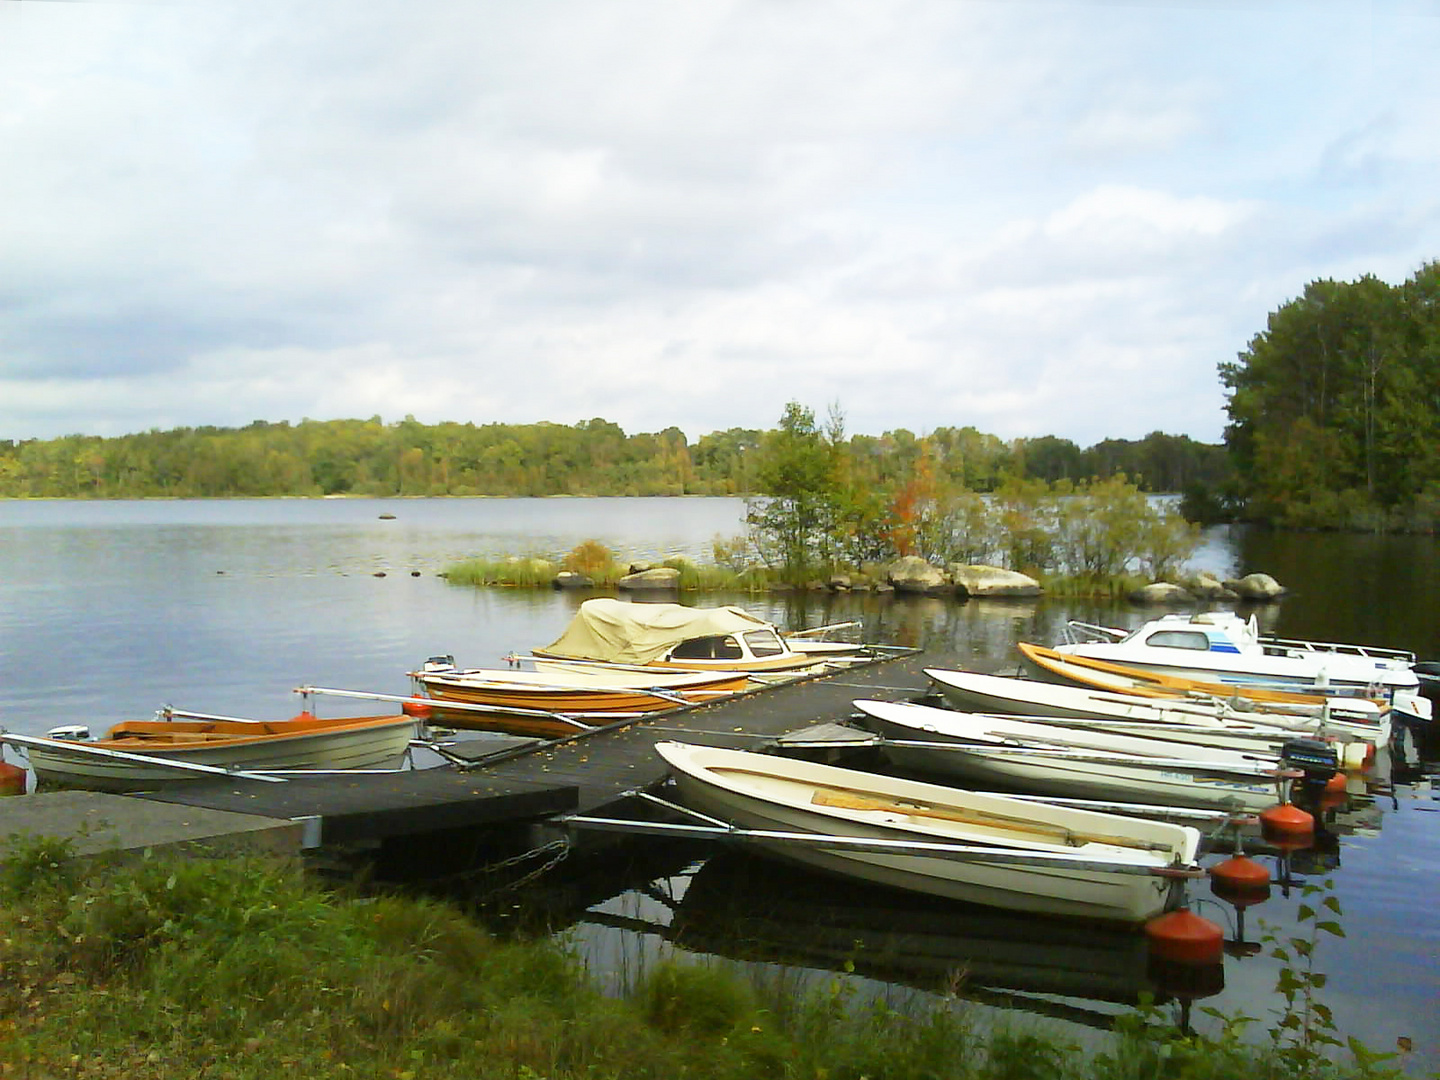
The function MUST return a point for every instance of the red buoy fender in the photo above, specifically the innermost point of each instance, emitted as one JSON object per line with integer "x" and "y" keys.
{"x": 1184, "y": 937}
{"x": 1286, "y": 825}
{"x": 419, "y": 710}
{"x": 1240, "y": 880}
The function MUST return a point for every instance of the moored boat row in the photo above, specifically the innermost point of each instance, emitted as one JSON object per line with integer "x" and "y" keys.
{"x": 1134, "y": 741}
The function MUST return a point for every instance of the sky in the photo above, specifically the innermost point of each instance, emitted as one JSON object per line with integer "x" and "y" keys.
{"x": 1033, "y": 217}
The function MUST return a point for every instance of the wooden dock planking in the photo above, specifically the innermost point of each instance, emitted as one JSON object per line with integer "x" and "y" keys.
{"x": 368, "y": 806}
{"x": 601, "y": 767}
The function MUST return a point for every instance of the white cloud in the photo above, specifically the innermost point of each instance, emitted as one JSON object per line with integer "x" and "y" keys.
{"x": 1048, "y": 217}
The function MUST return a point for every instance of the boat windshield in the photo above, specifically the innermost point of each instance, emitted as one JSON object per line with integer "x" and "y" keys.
{"x": 712, "y": 647}
{"x": 764, "y": 642}
{"x": 1179, "y": 639}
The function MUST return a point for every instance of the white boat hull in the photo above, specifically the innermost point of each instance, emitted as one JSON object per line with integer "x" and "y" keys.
{"x": 1226, "y": 648}
{"x": 61, "y": 764}
{"x": 993, "y": 750}
{"x": 1358, "y": 717}
{"x": 969, "y": 691}
{"x": 758, "y": 791}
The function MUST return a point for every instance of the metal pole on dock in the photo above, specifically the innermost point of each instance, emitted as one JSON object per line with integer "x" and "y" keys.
{"x": 463, "y": 706}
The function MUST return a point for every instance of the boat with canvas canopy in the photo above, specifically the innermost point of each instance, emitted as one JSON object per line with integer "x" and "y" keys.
{"x": 674, "y": 636}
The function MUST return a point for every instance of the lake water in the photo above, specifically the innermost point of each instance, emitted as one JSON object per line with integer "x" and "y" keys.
{"x": 109, "y": 610}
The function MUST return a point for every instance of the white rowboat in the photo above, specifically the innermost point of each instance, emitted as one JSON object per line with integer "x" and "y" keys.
{"x": 1033, "y": 755}
{"x": 143, "y": 755}
{"x": 1105, "y": 866}
{"x": 970, "y": 691}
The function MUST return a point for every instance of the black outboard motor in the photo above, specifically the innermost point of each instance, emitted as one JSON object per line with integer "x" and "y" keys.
{"x": 1315, "y": 758}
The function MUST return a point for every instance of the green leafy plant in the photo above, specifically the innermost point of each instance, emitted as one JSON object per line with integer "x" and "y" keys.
{"x": 1305, "y": 1032}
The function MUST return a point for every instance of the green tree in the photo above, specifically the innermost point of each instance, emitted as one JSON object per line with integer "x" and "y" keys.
{"x": 795, "y": 521}
{"x": 1335, "y": 407}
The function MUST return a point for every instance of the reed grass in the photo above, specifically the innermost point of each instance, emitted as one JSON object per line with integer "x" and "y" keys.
{"x": 517, "y": 571}
{"x": 243, "y": 968}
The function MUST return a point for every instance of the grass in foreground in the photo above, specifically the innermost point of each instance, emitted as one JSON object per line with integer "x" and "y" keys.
{"x": 242, "y": 968}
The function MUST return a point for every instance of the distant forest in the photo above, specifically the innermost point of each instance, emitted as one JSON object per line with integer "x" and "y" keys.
{"x": 1334, "y": 424}
{"x": 593, "y": 457}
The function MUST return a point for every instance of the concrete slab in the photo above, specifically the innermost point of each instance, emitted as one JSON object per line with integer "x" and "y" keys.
{"x": 95, "y": 822}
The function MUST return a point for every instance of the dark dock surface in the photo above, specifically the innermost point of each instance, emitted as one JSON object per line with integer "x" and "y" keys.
{"x": 603, "y": 765}
{"x": 509, "y": 784}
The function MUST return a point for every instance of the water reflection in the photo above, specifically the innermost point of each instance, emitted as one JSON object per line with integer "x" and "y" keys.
{"x": 760, "y": 913}
{"x": 109, "y": 610}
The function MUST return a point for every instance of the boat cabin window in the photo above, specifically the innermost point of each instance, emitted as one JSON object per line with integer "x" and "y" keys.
{"x": 764, "y": 642}
{"x": 715, "y": 647}
{"x": 1179, "y": 639}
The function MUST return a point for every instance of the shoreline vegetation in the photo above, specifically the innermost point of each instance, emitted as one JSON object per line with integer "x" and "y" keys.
{"x": 245, "y": 968}
{"x": 1106, "y": 539}
{"x": 542, "y": 572}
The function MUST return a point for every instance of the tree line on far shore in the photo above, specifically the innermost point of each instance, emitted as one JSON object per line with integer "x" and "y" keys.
{"x": 1334, "y": 423}
{"x": 594, "y": 457}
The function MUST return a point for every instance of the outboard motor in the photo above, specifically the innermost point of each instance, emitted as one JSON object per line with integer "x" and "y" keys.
{"x": 1316, "y": 759}
{"x": 1428, "y": 672}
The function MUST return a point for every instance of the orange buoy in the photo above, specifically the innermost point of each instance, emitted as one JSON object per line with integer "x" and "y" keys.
{"x": 12, "y": 779}
{"x": 1241, "y": 881}
{"x": 1286, "y": 825}
{"x": 1183, "y": 937}
{"x": 418, "y": 709}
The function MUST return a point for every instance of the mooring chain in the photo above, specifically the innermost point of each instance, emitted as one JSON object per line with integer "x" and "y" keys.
{"x": 557, "y": 849}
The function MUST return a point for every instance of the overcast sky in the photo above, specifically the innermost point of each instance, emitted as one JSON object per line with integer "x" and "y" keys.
{"x": 1030, "y": 217}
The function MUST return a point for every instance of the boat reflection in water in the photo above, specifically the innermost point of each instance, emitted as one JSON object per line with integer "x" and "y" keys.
{"x": 759, "y": 911}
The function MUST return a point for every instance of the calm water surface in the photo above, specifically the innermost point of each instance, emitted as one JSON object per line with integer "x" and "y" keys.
{"x": 109, "y": 610}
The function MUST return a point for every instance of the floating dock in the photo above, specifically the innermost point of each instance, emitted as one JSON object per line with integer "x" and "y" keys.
{"x": 508, "y": 785}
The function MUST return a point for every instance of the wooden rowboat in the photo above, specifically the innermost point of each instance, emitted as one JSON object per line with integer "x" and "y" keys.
{"x": 579, "y": 691}
{"x": 551, "y": 704}
{"x": 142, "y": 755}
{"x": 932, "y": 839}
{"x": 1048, "y": 664}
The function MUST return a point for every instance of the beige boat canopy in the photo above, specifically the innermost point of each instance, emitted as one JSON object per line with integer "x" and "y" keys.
{"x": 623, "y": 632}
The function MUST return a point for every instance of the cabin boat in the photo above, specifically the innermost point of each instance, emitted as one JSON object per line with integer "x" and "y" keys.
{"x": 1050, "y": 759}
{"x": 677, "y": 637}
{"x": 1224, "y": 647}
{"x": 928, "y": 838}
{"x": 143, "y": 755}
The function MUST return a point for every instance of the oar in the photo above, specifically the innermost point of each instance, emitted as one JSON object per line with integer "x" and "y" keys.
{"x": 988, "y": 819}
